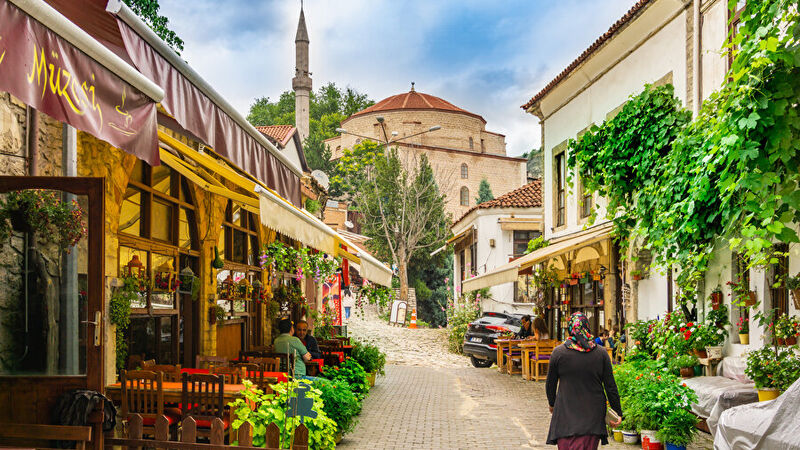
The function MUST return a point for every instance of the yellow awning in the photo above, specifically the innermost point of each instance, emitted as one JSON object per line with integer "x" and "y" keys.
{"x": 508, "y": 273}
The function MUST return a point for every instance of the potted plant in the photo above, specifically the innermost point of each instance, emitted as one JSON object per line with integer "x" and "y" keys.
{"x": 685, "y": 364}
{"x": 744, "y": 330}
{"x": 772, "y": 370}
{"x": 786, "y": 329}
{"x": 43, "y": 212}
{"x": 793, "y": 284}
{"x": 678, "y": 429}
{"x": 636, "y": 274}
{"x": 215, "y": 313}
{"x": 710, "y": 337}
{"x": 716, "y": 298}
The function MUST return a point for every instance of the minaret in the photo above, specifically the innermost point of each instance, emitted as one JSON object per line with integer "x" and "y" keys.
{"x": 301, "y": 83}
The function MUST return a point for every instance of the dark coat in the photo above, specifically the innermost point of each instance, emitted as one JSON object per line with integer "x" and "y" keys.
{"x": 312, "y": 346}
{"x": 577, "y": 386}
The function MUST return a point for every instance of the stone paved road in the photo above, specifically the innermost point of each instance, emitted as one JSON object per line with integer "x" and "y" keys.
{"x": 415, "y": 407}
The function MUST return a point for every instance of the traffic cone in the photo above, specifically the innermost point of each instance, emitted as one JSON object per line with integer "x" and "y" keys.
{"x": 413, "y": 323}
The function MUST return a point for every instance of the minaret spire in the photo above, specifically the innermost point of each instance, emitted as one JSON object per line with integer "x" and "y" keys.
{"x": 301, "y": 83}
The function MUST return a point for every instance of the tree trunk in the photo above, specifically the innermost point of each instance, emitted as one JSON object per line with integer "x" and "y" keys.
{"x": 402, "y": 273}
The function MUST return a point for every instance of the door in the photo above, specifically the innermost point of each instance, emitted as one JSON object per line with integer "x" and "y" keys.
{"x": 54, "y": 343}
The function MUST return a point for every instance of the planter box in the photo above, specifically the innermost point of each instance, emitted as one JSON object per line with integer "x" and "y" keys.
{"x": 768, "y": 394}
{"x": 714, "y": 352}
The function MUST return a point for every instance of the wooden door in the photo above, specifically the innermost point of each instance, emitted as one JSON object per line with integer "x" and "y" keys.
{"x": 70, "y": 355}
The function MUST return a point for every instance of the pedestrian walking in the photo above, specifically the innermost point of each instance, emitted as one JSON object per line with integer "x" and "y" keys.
{"x": 579, "y": 382}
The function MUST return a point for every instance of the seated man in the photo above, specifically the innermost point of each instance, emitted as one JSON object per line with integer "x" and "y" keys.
{"x": 301, "y": 331}
{"x": 526, "y": 330}
{"x": 286, "y": 343}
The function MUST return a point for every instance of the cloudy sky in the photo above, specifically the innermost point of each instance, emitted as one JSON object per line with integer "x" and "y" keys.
{"x": 488, "y": 56}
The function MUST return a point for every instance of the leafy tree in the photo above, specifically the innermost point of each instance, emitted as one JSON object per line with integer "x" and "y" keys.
{"x": 147, "y": 10}
{"x": 403, "y": 210}
{"x": 328, "y": 107}
{"x": 484, "y": 192}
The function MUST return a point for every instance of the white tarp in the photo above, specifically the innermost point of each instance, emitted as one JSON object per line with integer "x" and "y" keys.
{"x": 717, "y": 394}
{"x": 773, "y": 425}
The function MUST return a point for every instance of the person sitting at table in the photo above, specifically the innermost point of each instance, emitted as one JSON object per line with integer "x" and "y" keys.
{"x": 526, "y": 330}
{"x": 301, "y": 331}
{"x": 286, "y": 343}
{"x": 601, "y": 338}
{"x": 540, "y": 330}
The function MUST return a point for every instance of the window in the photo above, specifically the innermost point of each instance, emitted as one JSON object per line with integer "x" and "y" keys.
{"x": 586, "y": 201}
{"x": 471, "y": 144}
{"x": 733, "y": 27}
{"x": 157, "y": 226}
{"x": 464, "y": 171}
{"x": 483, "y": 146}
{"x": 464, "y": 196}
{"x": 473, "y": 259}
{"x": 560, "y": 190}
{"x": 521, "y": 239}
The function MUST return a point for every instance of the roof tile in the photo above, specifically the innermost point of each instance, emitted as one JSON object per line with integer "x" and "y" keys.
{"x": 528, "y": 196}
{"x": 278, "y": 133}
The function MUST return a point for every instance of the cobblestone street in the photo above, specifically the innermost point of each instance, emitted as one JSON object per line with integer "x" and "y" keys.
{"x": 448, "y": 404}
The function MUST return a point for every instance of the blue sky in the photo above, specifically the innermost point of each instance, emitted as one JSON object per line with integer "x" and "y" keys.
{"x": 488, "y": 57}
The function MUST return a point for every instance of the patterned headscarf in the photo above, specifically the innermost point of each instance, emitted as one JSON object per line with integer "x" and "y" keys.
{"x": 580, "y": 339}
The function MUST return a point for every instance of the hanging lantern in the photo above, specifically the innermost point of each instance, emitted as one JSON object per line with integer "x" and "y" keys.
{"x": 134, "y": 268}
{"x": 244, "y": 289}
{"x": 165, "y": 279}
{"x": 258, "y": 292}
{"x": 187, "y": 281}
{"x": 226, "y": 289}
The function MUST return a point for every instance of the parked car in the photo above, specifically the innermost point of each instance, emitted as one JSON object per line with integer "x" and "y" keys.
{"x": 479, "y": 339}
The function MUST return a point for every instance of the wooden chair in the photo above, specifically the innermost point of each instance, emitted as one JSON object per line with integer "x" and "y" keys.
{"x": 271, "y": 364}
{"x": 148, "y": 363}
{"x": 233, "y": 375}
{"x": 171, "y": 373}
{"x": 262, "y": 380}
{"x": 514, "y": 357}
{"x": 143, "y": 394}
{"x": 285, "y": 361}
{"x": 541, "y": 358}
{"x": 248, "y": 366}
{"x": 30, "y": 435}
{"x": 208, "y": 362}
{"x": 203, "y": 401}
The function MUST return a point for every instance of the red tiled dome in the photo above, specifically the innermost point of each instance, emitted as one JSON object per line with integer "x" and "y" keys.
{"x": 413, "y": 100}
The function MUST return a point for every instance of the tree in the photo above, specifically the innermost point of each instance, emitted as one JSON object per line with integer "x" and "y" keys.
{"x": 484, "y": 192}
{"x": 147, "y": 10}
{"x": 403, "y": 210}
{"x": 328, "y": 107}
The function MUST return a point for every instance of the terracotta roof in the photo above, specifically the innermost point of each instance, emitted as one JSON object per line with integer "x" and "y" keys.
{"x": 278, "y": 133}
{"x": 414, "y": 100}
{"x": 528, "y": 196}
{"x": 635, "y": 9}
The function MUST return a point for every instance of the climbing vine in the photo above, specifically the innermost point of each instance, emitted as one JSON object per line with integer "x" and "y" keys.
{"x": 732, "y": 173}
{"x": 120, "y": 314}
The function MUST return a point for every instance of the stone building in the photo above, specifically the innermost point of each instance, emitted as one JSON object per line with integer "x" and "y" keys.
{"x": 462, "y": 152}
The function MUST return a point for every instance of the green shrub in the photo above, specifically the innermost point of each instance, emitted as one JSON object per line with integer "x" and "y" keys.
{"x": 339, "y": 403}
{"x": 369, "y": 356}
{"x": 261, "y": 409}
{"x": 351, "y": 372}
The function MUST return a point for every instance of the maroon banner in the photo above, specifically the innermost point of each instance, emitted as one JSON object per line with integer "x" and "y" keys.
{"x": 45, "y": 71}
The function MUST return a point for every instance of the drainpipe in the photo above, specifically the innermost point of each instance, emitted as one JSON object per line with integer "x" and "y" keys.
{"x": 68, "y": 313}
{"x": 33, "y": 142}
{"x": 696, "y": 57}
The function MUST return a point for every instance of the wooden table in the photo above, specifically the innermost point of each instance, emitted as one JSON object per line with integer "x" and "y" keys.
{"x": 527, "y": 349}
{"x": 173, "y": 392}
{"x": 501, "y": 344}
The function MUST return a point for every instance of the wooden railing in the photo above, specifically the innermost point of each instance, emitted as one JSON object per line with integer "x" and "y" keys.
{"x": 188, "y": 441}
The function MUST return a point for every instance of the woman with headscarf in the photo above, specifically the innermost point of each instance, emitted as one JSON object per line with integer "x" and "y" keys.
{"x": 579, "y": 380}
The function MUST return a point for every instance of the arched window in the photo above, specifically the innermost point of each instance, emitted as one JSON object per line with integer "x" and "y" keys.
{"x": 464, "y": 171}
{"x": 471, "y": 144}
{"x": 464, "y": 196}
{"x": 157, "y": 226}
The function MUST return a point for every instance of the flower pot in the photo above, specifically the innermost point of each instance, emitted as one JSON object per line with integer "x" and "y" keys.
{"x": 714, "y": 352}
{"x": 687, "y": 372}
{"x": 716, "y": 300}
{"x": 781, "y": 341}
{"x": 637, "y": 277}
{"x": 647, "y": 436}
{"x": 371, "y": 379}
{"x": 675, "y": 447}
{"x": 768, "y": 394}
{"x": 700, "y": 353}
{"x": 744, "y": 338}
{"x": 791, "y": 341}
{"x": 617, "y": 435}
{"x": 751, "y": 299}
{"x": 630, "y": 437}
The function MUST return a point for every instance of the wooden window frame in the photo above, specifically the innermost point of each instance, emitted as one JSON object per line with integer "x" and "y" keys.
{"x": 559, "y": 166}
{"x": 587, "y": 201}
{"x": 464, "y": 196}
{"x": 464, "y": 171}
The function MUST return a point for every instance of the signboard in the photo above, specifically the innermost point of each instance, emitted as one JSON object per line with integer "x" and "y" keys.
{"x": 398, "y": 313}
{"x": 45, "y": 71}
{"x": 332, "y": 297}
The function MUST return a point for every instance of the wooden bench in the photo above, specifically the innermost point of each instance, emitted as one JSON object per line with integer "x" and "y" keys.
{"x": 30, "y": 434}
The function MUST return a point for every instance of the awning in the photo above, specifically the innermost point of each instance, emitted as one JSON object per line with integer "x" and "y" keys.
{"x": 56, "y": 67}
{"x": 459, "y": 236}
{"x": 201, "y": 110}
{"x": 508, "y": 273}
{"x": 520, "y": 223}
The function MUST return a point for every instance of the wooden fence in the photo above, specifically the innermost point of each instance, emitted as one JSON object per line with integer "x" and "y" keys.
{"x": 188, "y": 440}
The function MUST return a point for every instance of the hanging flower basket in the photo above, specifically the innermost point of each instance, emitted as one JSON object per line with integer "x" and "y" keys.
{"x": 43, "y": 212}
{"x": 751, "y": 298}
{"x": 716, "y": 300}
{"x": 573, "y": 281}
{"x": 187, "y": 280}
